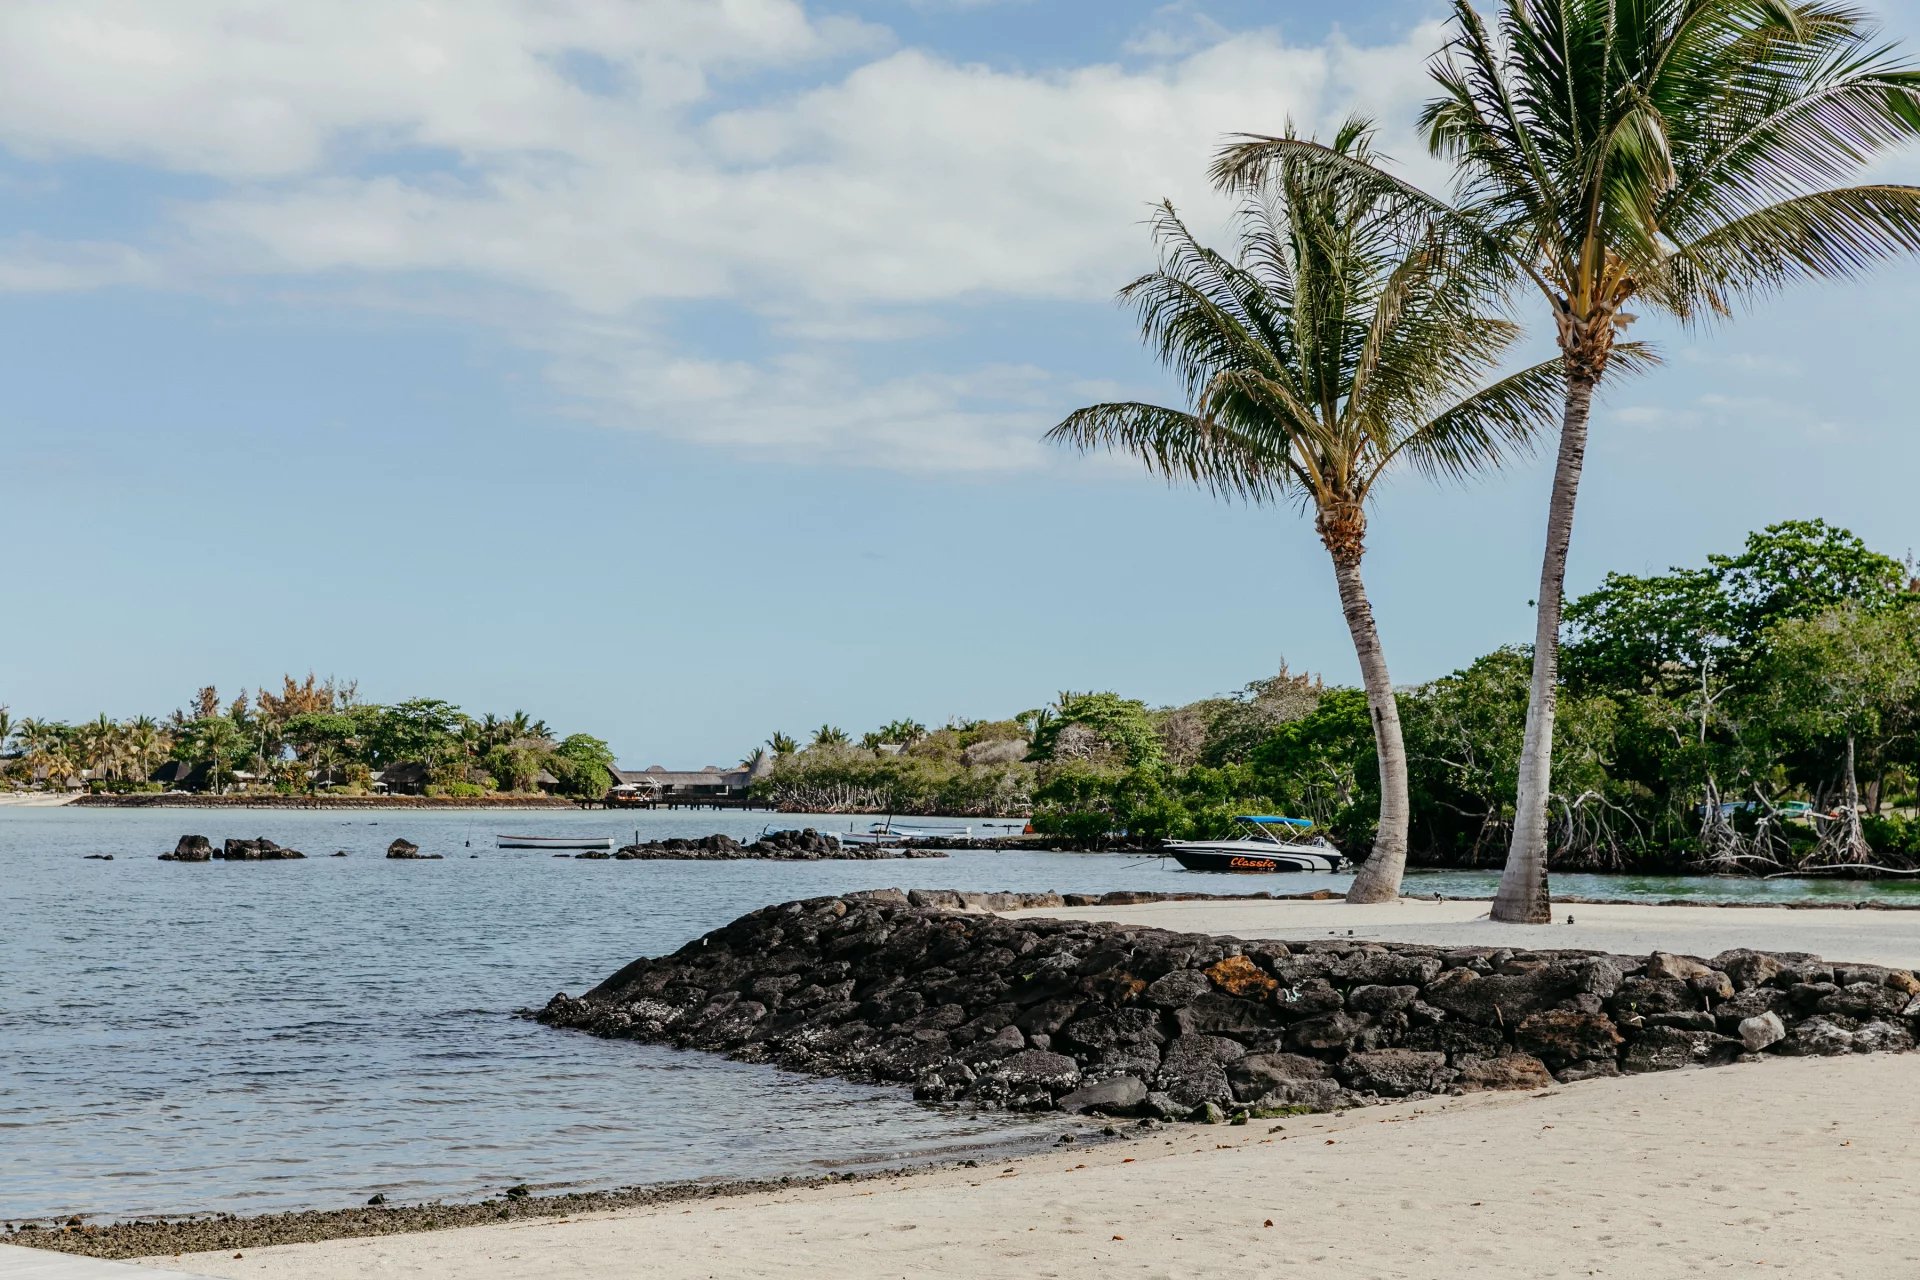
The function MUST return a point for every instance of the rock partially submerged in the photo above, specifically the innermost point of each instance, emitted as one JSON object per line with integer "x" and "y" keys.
{"x": 1036, "y": 1014}
{"x": 200, "y": 849}
{"x": 408, "y": 849}
{"x": 190, "y": 849}
{"x": 806, "y": 845}
{"x": 260, "y": 850}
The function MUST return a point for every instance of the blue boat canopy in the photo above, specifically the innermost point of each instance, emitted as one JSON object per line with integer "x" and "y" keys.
{"x": 1260, "y": 817}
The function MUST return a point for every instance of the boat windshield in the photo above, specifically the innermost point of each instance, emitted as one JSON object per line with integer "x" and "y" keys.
{"x": 1276, "y": 830}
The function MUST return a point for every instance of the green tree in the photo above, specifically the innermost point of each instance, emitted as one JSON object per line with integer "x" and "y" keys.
{"x": 418, "y": 730}
{"x": 1323, "y": 765}
{"x": 215, "y": 741}
{"x": 1098, "y": 727}
{"x": 1671, "y": 154}
{"x": 1800, "y": 568}
{"x": 1845, "y": 675}
{"x": 1342, "y": 340}
{"x": 903, "y": 732}
{"x": 829, "y": 736}
{"x": 584, "y": 766}
{"x": 782, "y": 744}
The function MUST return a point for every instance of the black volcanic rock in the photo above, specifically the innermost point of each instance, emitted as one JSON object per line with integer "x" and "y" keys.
{"x": 921, "y": 990}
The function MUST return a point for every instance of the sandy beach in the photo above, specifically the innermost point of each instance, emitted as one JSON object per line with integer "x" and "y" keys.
{"x": 1796, "y": 1166}
{"x": 1791, "y": 1165}
{"x": 1842, "y": 933}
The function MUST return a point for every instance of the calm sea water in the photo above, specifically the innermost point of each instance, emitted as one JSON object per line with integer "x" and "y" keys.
{"x": 260, "y": 1036}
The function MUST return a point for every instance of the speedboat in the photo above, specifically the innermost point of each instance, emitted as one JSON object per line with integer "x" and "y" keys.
{"x": 1270, "y": 843}
{"x": 553, "y": 842}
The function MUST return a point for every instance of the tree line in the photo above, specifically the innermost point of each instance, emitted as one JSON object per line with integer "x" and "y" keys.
{"x": 310, "y": 735}
{"x": 1758, "y": 713}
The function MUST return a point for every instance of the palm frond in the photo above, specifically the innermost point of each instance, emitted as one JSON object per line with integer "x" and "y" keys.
{"x": 1500, "y": 420}
{"x": 1179, "y": 447}
{"x": 1824, "y": 235}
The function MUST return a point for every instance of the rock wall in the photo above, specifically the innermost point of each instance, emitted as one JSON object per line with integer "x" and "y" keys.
{"x": 1093, "y": 1016}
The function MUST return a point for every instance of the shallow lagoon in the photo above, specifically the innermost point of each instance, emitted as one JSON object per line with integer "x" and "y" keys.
{"x": 261, "y": 1036}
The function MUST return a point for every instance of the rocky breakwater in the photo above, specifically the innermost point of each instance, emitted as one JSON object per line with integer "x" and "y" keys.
{"x": 200, "y": 849}
{"x": 775, "y": 846}
{"x": 1092, "y": 1016}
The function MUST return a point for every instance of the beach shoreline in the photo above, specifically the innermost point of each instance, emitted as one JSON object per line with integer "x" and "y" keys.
{"x": 1640, "y": 1176}
{"x": 196, "y": 800}
{"x": 149, "y": 1238}
{"x": 1701, "y": 1120}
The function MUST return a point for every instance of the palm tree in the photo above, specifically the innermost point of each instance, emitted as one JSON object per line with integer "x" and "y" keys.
{"x": 99, "y": 743}
{"x": 145, "y": 744}
{"x": 782, "y": 745}
{"x": 1672, "y": 154}
{"x": 830, "y": 736}
{"x": 1343, "y": 339}
{"x": 904, "y": 732}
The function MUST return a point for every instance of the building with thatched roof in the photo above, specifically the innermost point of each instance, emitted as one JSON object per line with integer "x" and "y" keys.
{"x": 710, "y": 783}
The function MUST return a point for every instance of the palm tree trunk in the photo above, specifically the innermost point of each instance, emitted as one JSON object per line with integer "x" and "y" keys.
{"x": 1523, "y": 896}
{"x": 1343, "y": 529}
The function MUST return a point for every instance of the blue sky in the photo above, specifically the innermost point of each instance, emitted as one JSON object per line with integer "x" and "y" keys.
{"x": 675, "y": 370}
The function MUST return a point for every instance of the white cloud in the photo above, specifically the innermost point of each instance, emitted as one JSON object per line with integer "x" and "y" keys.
{"x": 811, "y": 407}
{"x": 387, "y": 139}
{"x": 1176, "y": 29}
{"x": 31, "y": 265}
{"x": 1750, "y": 417}
{"x": 248, "y": 87}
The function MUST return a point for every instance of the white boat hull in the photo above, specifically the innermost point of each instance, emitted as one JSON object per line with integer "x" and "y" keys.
{"x": 1253, "y": 857}
{"x": 553, "y": 842}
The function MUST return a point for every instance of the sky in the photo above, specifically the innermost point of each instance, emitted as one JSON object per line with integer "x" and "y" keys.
{"x": 676, "y": 369}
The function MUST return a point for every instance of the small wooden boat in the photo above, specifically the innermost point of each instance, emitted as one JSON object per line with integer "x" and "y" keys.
{"x": 553, "y": 842}
{"x": 1262, "y": 850}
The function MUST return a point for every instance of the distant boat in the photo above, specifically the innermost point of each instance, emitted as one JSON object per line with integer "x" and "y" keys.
{"x": 885, "y": 833}
{"x": 553, "y": 842}
{"x": 1261, "y": 850}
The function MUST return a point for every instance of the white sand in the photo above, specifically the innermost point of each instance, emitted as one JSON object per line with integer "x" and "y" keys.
{"x": 43, "y": 1264}
{"x": 1865, "y": 937}
{"x": 1791, "y": 1166}
{"x": 1801, "y": 1167}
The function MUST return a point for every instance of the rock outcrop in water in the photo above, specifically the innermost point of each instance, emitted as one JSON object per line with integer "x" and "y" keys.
{"x": 260, "y": 850}
{"x": 200, "y": 849}
{"x": 1083, "y": 1015}
{"x": 775, "y": 846}
{"x": 190, "y": 849}
{"x": 408, "y": 849}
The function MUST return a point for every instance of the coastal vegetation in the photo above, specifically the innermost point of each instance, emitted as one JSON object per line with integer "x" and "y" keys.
{"x": 1757, "y": 713}
{"x": 1342, "y": 339}
{"x": 310, "y": 735}
{"x": 1676, "y": 156}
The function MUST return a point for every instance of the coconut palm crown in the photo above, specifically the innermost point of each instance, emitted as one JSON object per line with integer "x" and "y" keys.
{"x": 1669, "y": 154}
{"x": 1344, "y": 338}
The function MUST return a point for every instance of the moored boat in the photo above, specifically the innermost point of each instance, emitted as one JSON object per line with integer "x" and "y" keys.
{"x": 1262, "y": 850}
{"x": 886, "y": 833}
{"x": 553, "y": 842}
